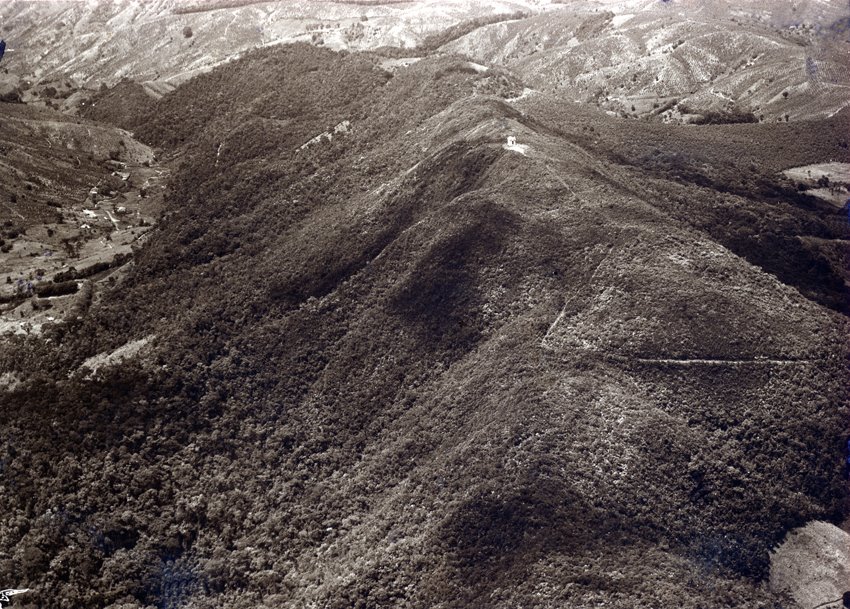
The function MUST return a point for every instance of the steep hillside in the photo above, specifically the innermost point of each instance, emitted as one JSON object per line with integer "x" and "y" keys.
{"x": 409, "y": 366}
{"x": 741, "y": 199}
{"x": 123, "y": 104}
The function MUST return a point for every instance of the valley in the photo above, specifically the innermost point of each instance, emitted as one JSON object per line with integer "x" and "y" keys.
{"x": 80, "y": 198}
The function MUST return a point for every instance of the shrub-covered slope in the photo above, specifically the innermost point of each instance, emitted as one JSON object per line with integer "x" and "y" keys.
{"x": 123, "y": 105}
{"x": 405, "y": 366}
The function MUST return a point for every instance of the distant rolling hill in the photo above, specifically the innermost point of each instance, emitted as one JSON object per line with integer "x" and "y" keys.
{"x": 670, "y": 60}
{"x": 674, "y": 59}
{"x": 410, "y": 366}
{"x": 161, "y": 43}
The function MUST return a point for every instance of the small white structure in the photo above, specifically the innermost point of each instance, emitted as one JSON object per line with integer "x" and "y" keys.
{"x": 512, "y": 145}
{"x": 89, "y": 213}
{"x": 121, "y": 210}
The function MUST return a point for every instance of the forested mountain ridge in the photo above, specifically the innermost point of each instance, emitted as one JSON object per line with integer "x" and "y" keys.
{"x": 407, "y": 365}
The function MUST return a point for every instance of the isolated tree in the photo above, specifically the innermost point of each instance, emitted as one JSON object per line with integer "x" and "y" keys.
{"x": 187, "y": 32}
